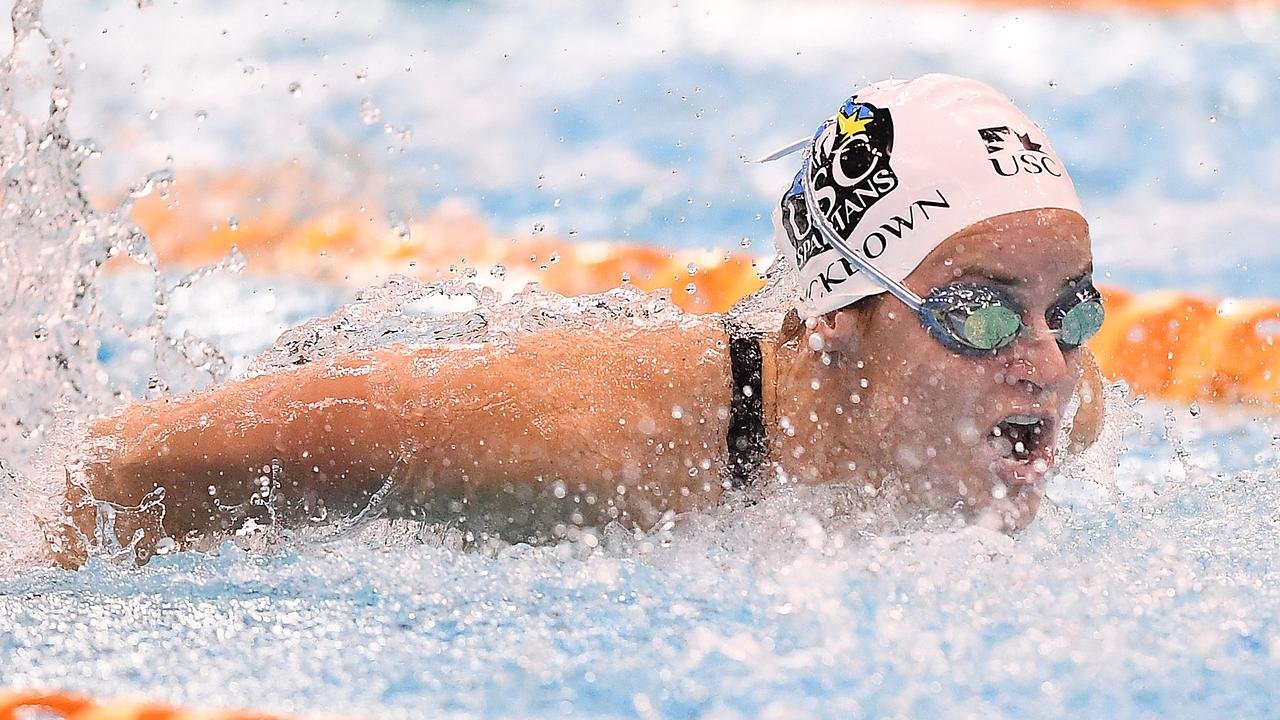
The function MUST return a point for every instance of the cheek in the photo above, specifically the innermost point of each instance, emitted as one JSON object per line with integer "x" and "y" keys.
{"x": 944, "y": 395}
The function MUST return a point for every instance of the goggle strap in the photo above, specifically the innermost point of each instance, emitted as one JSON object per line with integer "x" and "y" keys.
{"x": 783, "y": 151}
{"x": 828, "y": 233}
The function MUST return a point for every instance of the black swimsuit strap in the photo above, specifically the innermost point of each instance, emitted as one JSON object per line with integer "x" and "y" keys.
{"x": 748, "y": 445}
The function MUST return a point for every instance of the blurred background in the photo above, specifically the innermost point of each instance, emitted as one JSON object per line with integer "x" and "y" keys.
{"x": 631, "y": 121}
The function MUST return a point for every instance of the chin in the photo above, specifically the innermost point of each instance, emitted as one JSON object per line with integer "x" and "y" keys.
{"x": 1009, "y": 514}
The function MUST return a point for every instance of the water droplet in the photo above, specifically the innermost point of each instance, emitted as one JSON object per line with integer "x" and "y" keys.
{"x": 691, "y": 288}
{"x": 295, "y": 88}
{"x": 745, "y": 242}
{"x": 692, "y": 268}
{"x": 539, "y": 228}
{"x": 556, "y": 203}
{"x": 201, "y": 115}
{"x": 626, "y": 277}
{"x": 677, "y": 412}
{"x": 573, "y": 232}
{"x": 555, "y": 258}
{"x": 1213, "y": 118}
{"x": 498, "y": 270}
{"x": 233, "y": 222}
{"x": 369, "y": 113}
{"x": 153, "y": 114}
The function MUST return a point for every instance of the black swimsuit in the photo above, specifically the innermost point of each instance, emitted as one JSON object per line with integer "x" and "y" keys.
{"x": 748, "y": 443}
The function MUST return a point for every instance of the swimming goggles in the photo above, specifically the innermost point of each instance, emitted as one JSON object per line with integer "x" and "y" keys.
{"x": 969, "y": 318}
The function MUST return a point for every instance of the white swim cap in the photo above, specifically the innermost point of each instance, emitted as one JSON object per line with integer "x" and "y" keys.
{"x": 900, "y": 168}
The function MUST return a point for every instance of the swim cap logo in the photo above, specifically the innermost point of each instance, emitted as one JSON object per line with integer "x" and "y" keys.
{"x": 803, "y": 235}
{"x": 1013, "y": 152}
{"x": 848, "y": 170}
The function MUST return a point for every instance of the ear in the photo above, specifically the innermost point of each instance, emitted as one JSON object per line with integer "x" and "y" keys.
{"x": 841, "y": 331}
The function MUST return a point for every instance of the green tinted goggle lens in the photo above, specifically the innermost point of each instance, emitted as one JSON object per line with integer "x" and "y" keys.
{"x": 1081, "y": 322}
{"x": 969, "y": 318}
{"x": 991, "y": 327}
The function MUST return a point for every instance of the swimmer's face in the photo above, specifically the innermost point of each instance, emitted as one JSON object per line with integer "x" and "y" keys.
{"x": 945, "y": 425}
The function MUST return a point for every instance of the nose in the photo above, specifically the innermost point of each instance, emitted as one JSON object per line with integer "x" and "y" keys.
{"x": 1037, "y": 359}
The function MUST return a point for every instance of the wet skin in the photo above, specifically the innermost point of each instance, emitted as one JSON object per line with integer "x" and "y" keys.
{"x": 900, "y": 413}
{"x": 616, "y": 421}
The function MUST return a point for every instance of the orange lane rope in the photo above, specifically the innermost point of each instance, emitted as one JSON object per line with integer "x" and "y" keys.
{"x": 1168, "y": 344}
{"x": 19, "y": 705}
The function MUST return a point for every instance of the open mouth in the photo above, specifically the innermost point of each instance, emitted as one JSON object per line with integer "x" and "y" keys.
{"x": 1023, "y": 446}
{"x": 1019, "y": 436}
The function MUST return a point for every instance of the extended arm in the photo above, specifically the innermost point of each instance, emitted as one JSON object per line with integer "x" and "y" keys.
{"x": 603, "y": 413}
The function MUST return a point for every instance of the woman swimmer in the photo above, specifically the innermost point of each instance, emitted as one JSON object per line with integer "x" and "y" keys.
{"x": 943, "y": 264}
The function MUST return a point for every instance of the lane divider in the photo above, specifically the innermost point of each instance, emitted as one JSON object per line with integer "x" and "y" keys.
{"x": 19, "y": 705}
{"x": 1167, "y": 344}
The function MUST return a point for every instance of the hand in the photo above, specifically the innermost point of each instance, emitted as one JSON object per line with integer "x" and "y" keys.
{"x": 92, "y": 527}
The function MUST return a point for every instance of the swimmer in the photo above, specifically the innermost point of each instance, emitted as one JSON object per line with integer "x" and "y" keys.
{"x": 943, "y": 294}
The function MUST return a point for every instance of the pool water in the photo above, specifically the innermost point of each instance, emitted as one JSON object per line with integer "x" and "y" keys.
{"x": 1157, "y": 602}
{"x": 1149, "y": 587}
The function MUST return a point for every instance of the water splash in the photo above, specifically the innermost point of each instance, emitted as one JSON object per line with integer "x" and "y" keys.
{"x": 56, "y": 245}
{"x": 456, "y": 311}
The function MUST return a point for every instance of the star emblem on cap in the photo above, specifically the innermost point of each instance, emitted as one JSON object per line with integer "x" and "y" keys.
{"x": 851, "y": 125}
